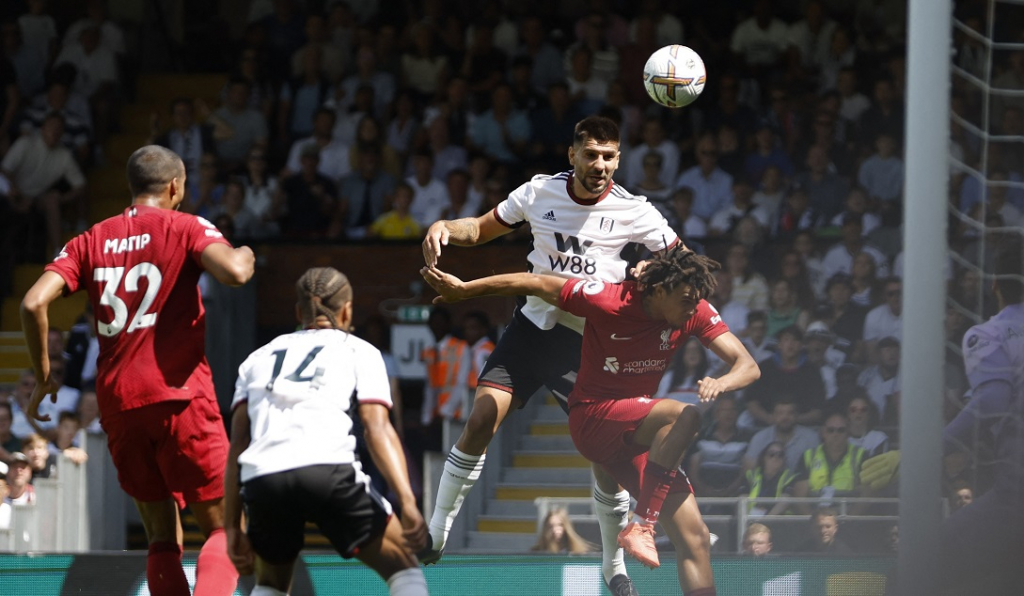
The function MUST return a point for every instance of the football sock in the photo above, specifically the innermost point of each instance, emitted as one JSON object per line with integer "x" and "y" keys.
{"x": 461, "y": 471}
{"x": 266, "y": 591}
{"x": 408, "y": 582}
{"x": 215, "y": 575}
{"x": 653, "y": 490}
{"x": 612, "y": 511}
{"x": 702, "y": 592}
{"x": 164, "y": 572}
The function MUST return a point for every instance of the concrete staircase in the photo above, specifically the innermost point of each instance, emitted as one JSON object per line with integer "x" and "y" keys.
{"x": 544, "y": 463}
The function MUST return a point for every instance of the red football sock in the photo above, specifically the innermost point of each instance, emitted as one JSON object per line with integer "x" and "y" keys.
{"x": 703, "y": 592}
{"x": 163, "y": 570}
{"x": 215, "y": 575}
{"x": 653, "y": 490}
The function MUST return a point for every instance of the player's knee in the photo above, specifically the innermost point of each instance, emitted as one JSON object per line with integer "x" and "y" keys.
{"x": 688, "y": 418}
{"x": 698, "y": 537}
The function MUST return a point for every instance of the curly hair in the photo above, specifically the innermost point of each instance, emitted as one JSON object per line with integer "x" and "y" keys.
{"x": 322, "y": 291}
{"x": 678, "y": 266}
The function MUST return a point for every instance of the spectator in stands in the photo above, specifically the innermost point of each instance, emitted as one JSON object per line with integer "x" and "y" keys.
{"x": 787, "y": 372}
{"x": 864, "y": 417}
{"x": 852, "y": 103}
{"x": 831, "y": 469}
{"x": 19, "y": 481}
{"x": 961, "y": 494}
{"x": 884, "y": 116}
{"x": 809, "y": 39}
{"x": 824, "y": 537}
{"x": 769, "y": 479}
{"x": 593, "y": 35}
{"x": 769, "y": 194}
{"x": 552, "y": 125}
{"x": 367, "y": 73}
{"x": 682, "y": 219}
{"x": 308, "y": 197}
{"x": 767, "y": 153}
{"x": 804, "y": 245}
{"x": 795, "y": 438}
{"x": 204, "y": 192}
{"x": 825, "y": 189}
{"x": 284, "y": 27}
{"x": 857, "y": 204}
{"x": 689, "y": 365}
{"x": 302, "y": 96}
{"x": 369, "y": 138}
{"x": 886, "y": 319}
{"x": 866, "y": 285}
{"x": 39, "y": 28}
{"x": 244, "y": 223}
{"x": 502, "y": 133}
{"x": 22, "y": 426}
{"x": 364, "y": 195}
{"x": 760, "y": 41}
{"x": 784, "y": 310}
{"x": 334, "y": 161}
{"x": 447, "y": 156}
{"x": 734, "y": 313}
{"x": 460, "y": 204}
{"x": 44, "y": 176}
{"x": 243, "y": 126}
{"x": 66, "y": 441}
{"x": 557, "y": 535}
{"x": 712, "y": 187}
{"x": 724, "y": 221}
{"x": 844, "y": 317}
{"x": 716, "y": 460}
{"x": 448, "y": 361}
{"x": 748, "y": 286}
{"x": 479, "y": 63}
{"x": 881, "y": 175}
{"x": 653, "y": 140}
{"x": 818, "y": 347}
{"x": 882, "y": 381}
{"x": 757, "y": 540}
{"x": 332, "y": 60}
{"x": 651, "y": 186}
{"x": 547, "y": 61}
{"x": 842, "y": 53}
{"x": 28, "y": 61}
{"x": 262, "y": 95}
{"x": 186, "y": 137}
{"x": 423, "y": 66}
{"x": 260, "y": 189}
{"x": 796, "y": 215}
{"x": 111, "y": 34}
{"x": 89, "y": 410}
{"x": 757, "y": 341}
{"x": 5, "y": 507}
{"x": 430, "y": 195}
{"x": 839, "y": 258}
{"x": 41, "y": 461}
{"x": 793, "y": 269}
{"x": 8, "y": 442}
{"x": 398, "y": 223}
{"x": 77, "y": 133}
{"x": 98, "y": 76}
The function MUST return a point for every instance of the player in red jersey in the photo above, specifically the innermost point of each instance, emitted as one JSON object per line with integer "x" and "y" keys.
{"x": 157, "y": 403}
{"x": 632, "y": 330}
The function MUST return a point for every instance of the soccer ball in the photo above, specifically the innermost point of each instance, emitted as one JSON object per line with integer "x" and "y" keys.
{"x": 674, "y": 76}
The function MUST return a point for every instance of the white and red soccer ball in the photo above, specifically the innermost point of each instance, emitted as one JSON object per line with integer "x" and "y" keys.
{"x": 674, "y": 76}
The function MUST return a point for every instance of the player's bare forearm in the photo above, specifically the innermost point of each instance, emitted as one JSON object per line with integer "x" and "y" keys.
{"x": 240, "y": 438}
{"x": 35, "y": 319}
{"x": 743, "y": 370}
{"x": 468, "y": 231}
{"x": 385, "y": 448}
{"x": 453, "y": 289}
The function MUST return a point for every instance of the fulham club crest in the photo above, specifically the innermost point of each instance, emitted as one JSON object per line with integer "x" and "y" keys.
{"x": 607, "y": 224}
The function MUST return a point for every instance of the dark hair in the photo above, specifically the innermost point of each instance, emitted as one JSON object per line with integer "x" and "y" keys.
{"x": 860, "y": 393}
{"x": 792, "y": 331}
{"x": 479, "y": 316}
{"x": 151, "y": 169}
{"x": 322, "y": 291}
{"x": 825, "y": 512}
{"x": 69, "y": 415}
{"x": 764, "y": 452}
{"x": 597, "y": 128}
{"x": 4, "y": 405}
{"x": 756, "y": 316}
{"x": 679, "y": 265}
{"x": 180, "y": 100}
{"x": 784, "y": 399}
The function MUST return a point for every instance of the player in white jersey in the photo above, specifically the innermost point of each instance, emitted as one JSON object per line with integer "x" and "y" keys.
{"x": 583, "y": 226}
{"x": 983, "y": 542}
{"x": 293, "y": 457}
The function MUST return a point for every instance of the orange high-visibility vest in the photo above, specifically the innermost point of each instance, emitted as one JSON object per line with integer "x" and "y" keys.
{"x": 445, "y": 370}
{"x": 481, "y": 350}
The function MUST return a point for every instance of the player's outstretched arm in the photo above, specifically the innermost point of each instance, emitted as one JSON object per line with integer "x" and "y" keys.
{"x": 386, "y": 450}
{"x": 453, "y": 289}
{"x": 468, "y": 231}
{"x": 743, "y": 370}
{"x": 35, "y": 323}
{"x": 230, "y": 266}
{"x": 239, "y": 549}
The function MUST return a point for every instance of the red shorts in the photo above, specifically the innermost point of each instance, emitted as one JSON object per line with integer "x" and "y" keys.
{"x": 171, "y": 448}
{"x": 603, "y": 433}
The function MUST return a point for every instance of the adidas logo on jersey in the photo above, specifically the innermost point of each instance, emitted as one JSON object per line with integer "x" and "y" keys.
{"x": 550, "y": 216}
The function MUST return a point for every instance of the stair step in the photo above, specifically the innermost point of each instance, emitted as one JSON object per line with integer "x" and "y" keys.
{"x": 516, "y": 492}
{"x": 504, "y": 542}
{"x": 12, "y": 338}
{"x": 546, "y": 428}
{"x": 159, "y": 88}
{"x": 518, "y": 525}
{"x": 14, "y": 359}
{"x": 119, "y": 147}
{"x": 523, "y": 509}
{"x": 63, "y": 312}
{"x": 566, "y": 476}
{"x": 9, "y": 376}
{"x": 136, "y": 117}
{"x": 566, "y": 459}
{"x": 546, "y": 443}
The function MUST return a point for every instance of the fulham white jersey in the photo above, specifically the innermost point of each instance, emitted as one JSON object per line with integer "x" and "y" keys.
{"x": 299, "y": 390}
{"x": 580, "y": 238}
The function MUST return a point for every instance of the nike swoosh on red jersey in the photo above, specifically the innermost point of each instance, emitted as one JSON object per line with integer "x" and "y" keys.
{"x": 620, "y": 338}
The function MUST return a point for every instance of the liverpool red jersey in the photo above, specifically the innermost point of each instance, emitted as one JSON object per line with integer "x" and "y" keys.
{"x": 625, "y": 351}
{"x": 141, "y": 271}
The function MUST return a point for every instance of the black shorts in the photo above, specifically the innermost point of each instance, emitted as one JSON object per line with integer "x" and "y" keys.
{"x": 528, "y": 358}
{"x": 338, "y": 498}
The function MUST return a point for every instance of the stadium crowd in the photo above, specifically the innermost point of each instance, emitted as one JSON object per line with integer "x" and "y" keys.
{"x": 348, "y": 121}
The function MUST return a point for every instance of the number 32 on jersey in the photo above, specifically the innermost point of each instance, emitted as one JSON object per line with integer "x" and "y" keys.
{"x": 111, "y": 278}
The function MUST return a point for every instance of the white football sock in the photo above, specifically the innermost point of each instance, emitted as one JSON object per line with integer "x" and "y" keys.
{"x": 612, "y": 511}
{"x": 266, "y": 591}
{"x": 461, "y": 472}
{"x": 408, "y": 582}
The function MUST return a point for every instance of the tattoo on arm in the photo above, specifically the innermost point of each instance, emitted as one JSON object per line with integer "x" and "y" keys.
{"x": 464, "y": 231}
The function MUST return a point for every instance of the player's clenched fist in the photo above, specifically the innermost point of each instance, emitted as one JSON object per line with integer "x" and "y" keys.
{"x": 437, "y": 236}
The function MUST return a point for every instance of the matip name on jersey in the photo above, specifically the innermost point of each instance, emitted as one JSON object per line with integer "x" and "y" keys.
{"x": 129, "y": 244}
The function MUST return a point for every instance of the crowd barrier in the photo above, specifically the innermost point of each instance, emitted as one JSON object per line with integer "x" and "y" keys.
{"x": 118, "y": 574}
